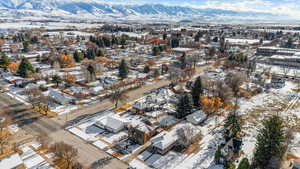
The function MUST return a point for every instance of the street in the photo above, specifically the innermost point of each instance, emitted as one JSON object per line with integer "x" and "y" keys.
{"x": 35, "y": 124}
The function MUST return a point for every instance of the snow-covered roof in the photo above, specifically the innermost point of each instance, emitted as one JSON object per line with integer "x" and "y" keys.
{"x": 164, "y": 139}
{"x": 112, "y": 122}
{"x": 11, "y": 162}
{"x": 196, "y": 117}
{"x": 244, "y": 41}
{"x": 58, "y": 96}
{"x": 182, "y": 49}
{"x": 142, "y": 127}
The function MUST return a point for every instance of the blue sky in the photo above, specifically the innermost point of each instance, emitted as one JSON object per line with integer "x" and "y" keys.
{"x": 286, "y": 7}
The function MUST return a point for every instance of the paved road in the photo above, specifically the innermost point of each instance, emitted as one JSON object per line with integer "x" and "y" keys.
{"x": 35, "y": 124}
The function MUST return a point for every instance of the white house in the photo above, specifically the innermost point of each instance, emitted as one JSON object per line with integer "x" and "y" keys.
{"x": 113, "y": 123}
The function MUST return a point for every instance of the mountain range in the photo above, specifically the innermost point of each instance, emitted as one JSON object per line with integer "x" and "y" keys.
{"x": 95, "y": 9}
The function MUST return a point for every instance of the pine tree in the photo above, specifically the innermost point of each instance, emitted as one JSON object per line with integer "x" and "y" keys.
{"x": 270, "y": 142}
{"x": 234, "y": 124}
{"x": 289, "y": 43}
{"x": 123, "y": 69}
{"x": 218, "y": 155}
{"x": 185, "y": 106}
{"x": 165, "y": 36}
{"x": 4, "y": 61}
{"x": 56, "y": 79}
{"x": 146, "y": 69}
{"x": 25, "y": 47}
{"x": 25, "y": 68}
{"x": 77, "y": 56}
{"x": 155, "y": 51}
{"x": 244, "y": 164}
{"x": 197, "y": 90}
{"x": 182, "y": 60}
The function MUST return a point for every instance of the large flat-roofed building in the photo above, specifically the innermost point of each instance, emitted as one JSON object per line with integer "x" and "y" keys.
{"x": 286, "y": 60}
{"x": 272, "y": 50}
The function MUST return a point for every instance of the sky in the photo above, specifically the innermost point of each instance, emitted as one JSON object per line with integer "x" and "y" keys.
{"x": 281, "y": 7}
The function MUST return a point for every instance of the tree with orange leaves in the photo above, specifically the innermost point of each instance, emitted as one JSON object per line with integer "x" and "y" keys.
{"x": 66, "y": 61}
{"x": 2, "y": 42}
{"x": 211, "y": 104}
{"x": 69, "y": 78}
{"x": 13, "y": 66}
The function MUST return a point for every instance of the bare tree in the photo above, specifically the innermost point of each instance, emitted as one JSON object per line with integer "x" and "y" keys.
{"x": 117, "y": 96}
{"x": 44, "y": 140}
{"x": 66, "y": 153}
{"x": 223, "y": 91}
{"x": 46, "y": 101}
{"x": 33, "y": 95}
{"x": 234, "y": 81}
{"x": 185, "y": 135}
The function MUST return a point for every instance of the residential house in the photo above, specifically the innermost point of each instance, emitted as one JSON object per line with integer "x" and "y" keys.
{"x": 164, "y": 142}
{"x": 112, "y": 123}
{"x": 141, "y": 133}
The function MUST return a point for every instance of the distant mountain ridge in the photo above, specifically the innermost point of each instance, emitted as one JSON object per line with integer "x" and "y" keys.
{"x": 94, "y": 9}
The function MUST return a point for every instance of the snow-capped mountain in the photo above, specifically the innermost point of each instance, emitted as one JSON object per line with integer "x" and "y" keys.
{"x": 92, "y": 9}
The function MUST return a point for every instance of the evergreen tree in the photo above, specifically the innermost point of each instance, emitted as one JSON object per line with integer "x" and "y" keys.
{"x": 56, "y": 79}
{"x": 218, "y": 155}
{"x": 183, "y": 61}
{"x": 290, "y": 43}
{"x": 222, "y": 44}
{"x": 155, "y": 51}
{"x": 197, "y": 90}
{"x": 4, "y": 61}
{"x": 198, "y": 36}
{"x": 165, "y": 36}
{"x": 270, "y": 142}
{"x": 146, "y": 69}
{"x": 174, "y": 43}
{"x": 25, "y": 68}
{"x": 261, "y": 41}
{"x": 185, "y": 106}
{"x": 77, "y": 56}
{"x": 123, "y": 69}
{"x": 234, "y": 124}
{"x": 25, "y": 47}
{"x": 244, "y": 164}
{"x": 34, "y": 40}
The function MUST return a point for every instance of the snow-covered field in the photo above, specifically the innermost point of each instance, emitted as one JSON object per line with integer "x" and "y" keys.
{"x": 50, "y": 25}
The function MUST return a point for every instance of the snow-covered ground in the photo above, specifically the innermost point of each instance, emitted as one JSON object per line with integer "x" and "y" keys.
{"x": 49, "y": 25}
{"x": 278, "y": 101}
